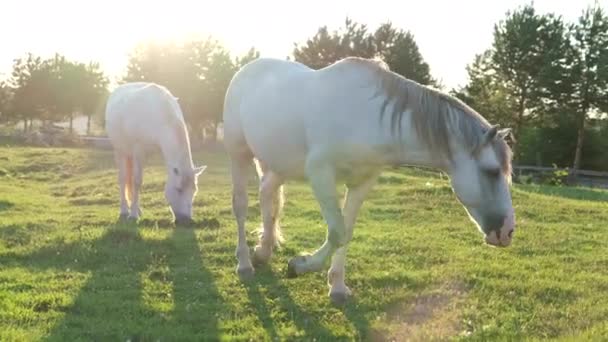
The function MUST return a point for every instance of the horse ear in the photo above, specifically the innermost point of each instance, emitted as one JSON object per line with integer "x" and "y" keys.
{"x": 199, "y": 170}
{"x": 505, "y": 132}
{"x": 486, "y": 139}
{"x": 490, "y": 135}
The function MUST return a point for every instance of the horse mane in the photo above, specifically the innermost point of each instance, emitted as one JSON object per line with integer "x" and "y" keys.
{"x": 436, "y": 116}
{"x": 177, "y": 125}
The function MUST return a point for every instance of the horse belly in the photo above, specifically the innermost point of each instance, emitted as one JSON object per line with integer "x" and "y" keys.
{"x": 279, "y": 144}
{"x": 135, "y": 129}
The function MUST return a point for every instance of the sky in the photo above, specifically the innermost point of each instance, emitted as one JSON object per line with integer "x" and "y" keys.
{"x": 449, "y": 33}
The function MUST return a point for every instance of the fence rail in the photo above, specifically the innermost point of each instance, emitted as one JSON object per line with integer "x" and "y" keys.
{"x": 589, "y": 178}
{"x": 550, "y": 169}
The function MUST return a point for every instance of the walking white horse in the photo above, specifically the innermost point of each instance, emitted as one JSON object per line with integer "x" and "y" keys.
{"x": 141, "y": 116}
{"x": 343, "y": 123}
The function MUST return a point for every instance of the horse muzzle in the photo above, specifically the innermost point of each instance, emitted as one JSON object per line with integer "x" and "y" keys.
{"x": 502, "y": 237}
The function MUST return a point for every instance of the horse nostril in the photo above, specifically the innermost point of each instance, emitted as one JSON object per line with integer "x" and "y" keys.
{"x": 510, "y": 235}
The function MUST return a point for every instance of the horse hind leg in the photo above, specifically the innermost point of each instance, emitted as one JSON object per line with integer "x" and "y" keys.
{"x": 124, "y": 176}
{"x": 136, "y": 182}
{"x": 239, "y": 167}
{"x": 322, "y": 180}
{"x": 271, "y": 205}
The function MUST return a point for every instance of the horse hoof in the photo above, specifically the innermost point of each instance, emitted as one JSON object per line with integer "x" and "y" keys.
{"x": 245, "y": 273}
{"x": 259, "y": 257}
{"x": 294, "y": 264}
{"x": 339, "y": 298}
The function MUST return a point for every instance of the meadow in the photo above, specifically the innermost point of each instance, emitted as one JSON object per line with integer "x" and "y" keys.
{"x": 418, "y": 268}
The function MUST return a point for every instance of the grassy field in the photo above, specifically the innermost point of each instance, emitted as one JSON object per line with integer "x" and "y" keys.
{"x": 417, "y": 266}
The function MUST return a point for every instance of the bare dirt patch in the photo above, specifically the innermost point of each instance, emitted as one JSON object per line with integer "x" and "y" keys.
{"x": 431, "y": 316}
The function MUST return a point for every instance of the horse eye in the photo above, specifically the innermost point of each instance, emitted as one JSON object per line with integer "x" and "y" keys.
{"x": 494, "y": 173}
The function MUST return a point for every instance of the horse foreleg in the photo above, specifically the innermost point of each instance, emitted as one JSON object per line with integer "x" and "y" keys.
{"x": 239, "y": 208}
{"x": 323, "y": 183}
{"x": 355, "y": 195}
{"x": 137, "y": 182}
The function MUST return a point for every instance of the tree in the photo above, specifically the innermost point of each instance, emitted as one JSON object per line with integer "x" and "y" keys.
{"x": 31, "y": 93}
{"x": 486, "y": 93}
{"x": 399, "y": 50}
{"x": 589, "y": 74}
{"x": 525, "y": 56}
{"x": 94, "y": 92}
{"x": 220, "y": 72}
{"x": 251, "y": 55}
{"x": 396, "y": 47}
{"x": 5, "y": 101}
{"x": 69, "y": 81}
{"x": 197, "y": 72}
{"x": 325, "y": 48}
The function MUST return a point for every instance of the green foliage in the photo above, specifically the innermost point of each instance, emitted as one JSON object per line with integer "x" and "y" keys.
{"x": 325, "y": 48}
{"x": 5, "y": 101}
{"x": 29, "y": 83}
{"x": 544, "y": 146}
{"x": 417, "y": 266}
{"x": 588, "y": 74}
{"x": 53, "y": 89}
{"x": 251, "y": 55}
{"x": 545, "y": 78}
{"x": 486, "y": 92}
{"x": 396, "y": 47}
{"x": 197, "y": 72}
{"x": 526, "y": 49}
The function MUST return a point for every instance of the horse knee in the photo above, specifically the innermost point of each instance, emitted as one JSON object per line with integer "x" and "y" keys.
{"x": 337, "y": 236}
{"x": 239, "y": 203}
{"x": 137, "y": 182}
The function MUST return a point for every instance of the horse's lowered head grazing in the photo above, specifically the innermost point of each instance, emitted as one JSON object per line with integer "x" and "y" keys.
{"x": 180, "y": 189}
{"x": 480, "y": 179}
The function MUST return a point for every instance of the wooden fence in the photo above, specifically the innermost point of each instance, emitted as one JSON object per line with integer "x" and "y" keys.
{"x": 594, "y": 179}
{"x": 588, "y": 178}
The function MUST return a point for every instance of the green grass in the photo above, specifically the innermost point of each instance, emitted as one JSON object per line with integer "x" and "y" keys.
{"x": 417, "y": 266}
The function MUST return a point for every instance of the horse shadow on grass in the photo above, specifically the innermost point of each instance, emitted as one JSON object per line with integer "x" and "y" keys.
{"x": 5, "y": 205}
{"x": 112, "y": 305}
{"x": 267, "y": 284}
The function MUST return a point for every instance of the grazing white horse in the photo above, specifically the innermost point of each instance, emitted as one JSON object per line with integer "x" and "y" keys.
{"x": 141, "y": 116}
{"x": 342, "y": 124}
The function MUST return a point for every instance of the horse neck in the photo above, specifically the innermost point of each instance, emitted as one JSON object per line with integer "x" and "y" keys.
{"x": 176, "y": 151}
{"x": 407, "y": 148}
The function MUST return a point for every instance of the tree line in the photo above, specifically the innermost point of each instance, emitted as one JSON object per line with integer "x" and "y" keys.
{"x": 548, "y": 79}
{"x": 542, "y": 76}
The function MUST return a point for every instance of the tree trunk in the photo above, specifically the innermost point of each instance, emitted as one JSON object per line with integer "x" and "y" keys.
{"x": 578, "y": 154}
{"x": 89, "y": 124}
{"x": 24, "y": 126}
{"x": 519, "y": 120}
{"x": 71, "y": 123}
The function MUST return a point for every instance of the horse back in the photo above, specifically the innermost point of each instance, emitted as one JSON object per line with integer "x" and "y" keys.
{"x": 141, "y": 111}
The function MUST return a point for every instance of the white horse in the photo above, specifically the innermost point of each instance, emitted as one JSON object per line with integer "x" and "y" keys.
{"x": 141, "y": 116}
{"x": 342, "y": 124}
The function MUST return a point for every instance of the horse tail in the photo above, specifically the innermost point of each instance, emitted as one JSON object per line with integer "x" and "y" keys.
{"x": 129, "y": 179}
